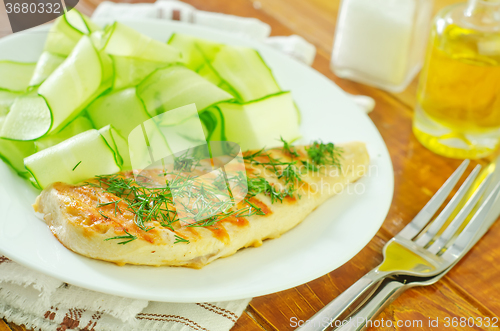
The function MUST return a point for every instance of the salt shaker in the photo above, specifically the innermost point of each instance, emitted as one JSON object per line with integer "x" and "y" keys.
{"x": 381, "y": 42}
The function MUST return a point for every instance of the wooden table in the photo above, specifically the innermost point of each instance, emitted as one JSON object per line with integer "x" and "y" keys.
{"x": 471, "y": 289}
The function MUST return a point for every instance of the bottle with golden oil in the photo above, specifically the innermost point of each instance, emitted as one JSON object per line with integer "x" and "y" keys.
{"x": 458, "y": 109}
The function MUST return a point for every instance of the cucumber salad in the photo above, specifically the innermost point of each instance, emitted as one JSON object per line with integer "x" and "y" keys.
{"x": 68, "y": 116}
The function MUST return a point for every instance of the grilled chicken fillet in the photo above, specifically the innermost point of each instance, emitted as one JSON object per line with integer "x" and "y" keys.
{"x": 82, "y": 217}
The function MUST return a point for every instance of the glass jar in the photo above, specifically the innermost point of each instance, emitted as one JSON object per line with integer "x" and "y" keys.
{"x": 381, "y": 42}
{"x": 458, "y": 109}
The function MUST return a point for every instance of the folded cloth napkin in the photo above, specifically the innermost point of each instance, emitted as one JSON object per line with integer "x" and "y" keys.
{"x": 43, "y": 303}
{"x": 179, "y": 11}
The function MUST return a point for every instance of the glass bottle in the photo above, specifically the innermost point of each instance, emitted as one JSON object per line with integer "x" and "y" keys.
{"x": 381, "y": 42}
{"x": 458, "y": 109}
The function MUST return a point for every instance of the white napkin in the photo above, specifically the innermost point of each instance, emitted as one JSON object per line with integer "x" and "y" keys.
{"x": 44, "y": 303}
{"x": 295, "y": 46}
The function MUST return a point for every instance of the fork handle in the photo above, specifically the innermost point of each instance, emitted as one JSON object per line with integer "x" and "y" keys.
{"x": 332, "y": 311}
{"x": 363, "y": 317}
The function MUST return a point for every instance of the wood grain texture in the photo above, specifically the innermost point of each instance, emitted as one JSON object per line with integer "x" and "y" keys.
{"x": 279, "y": 310}
{"x": 471, "y": 289}
{"x": 246, "y": 322}
{"x": 4, "y": 326}
{"x": 17, "y": 327}
{"x": 440, "y": 304}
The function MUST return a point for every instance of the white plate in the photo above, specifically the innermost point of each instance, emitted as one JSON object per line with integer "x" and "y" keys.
{"x": 328, "y": 238}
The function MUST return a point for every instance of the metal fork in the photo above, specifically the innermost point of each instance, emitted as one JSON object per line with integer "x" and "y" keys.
{"x": 474, "y": 230}
{"x": 413, "y": 255}
{"x": 378, "y": 302}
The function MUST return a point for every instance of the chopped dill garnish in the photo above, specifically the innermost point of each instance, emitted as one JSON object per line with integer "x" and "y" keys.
{"x": 220, "y": 181}
{"x": 129, "y": 237}
{"x": 322, "y": 154}
{"x": 100, "y": 212}
{"x": 251, "y": 157}
{"x": 258, "y": 210}
{"x": 243, "y": 212}
{"x": 290, "y": 175}
{"x": 179, "y": 239}
{"x": 288, "y": 149}
{"x": 284, "y": 170}
{"x": 76, "y": 165}
{"x": 261, "y": 185}
{"x": 206, "y": 204}
{"x": 185, "y": 162}
{"x": 147, "y": 204}
{"x": 111, "y": 202}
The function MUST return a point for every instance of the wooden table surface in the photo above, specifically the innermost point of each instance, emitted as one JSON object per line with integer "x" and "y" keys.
{"x": 471, "y": 289}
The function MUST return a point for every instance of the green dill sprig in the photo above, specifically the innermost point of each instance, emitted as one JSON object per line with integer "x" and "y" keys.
{"x": 247, "y": 211}
{"x": 109, "y": 203}
{"x": 186, "y": 162}
{"x": 76, "y": 166}
{"x": 288, "y": 149}
{"x": 252, "y": 156}
{"x": 147, "y": 204}
{"x": 261, "y": 185}
{"x": 322, "y": 154}
{"x": 220, "y": 181}
{"x": 283, "y": 170}
{"x": 100, "y": 212}
{"x": 290, "y": 174}
{"x": 179, "y": 239}
{"x": 128, "y": 238}
{"x": 258, "y": 211}
{"x": 239, "y": 180}
{"x": 155, "y": 204}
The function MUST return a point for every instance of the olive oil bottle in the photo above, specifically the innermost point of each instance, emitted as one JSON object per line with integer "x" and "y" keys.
{"x": 458, "y": 109}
